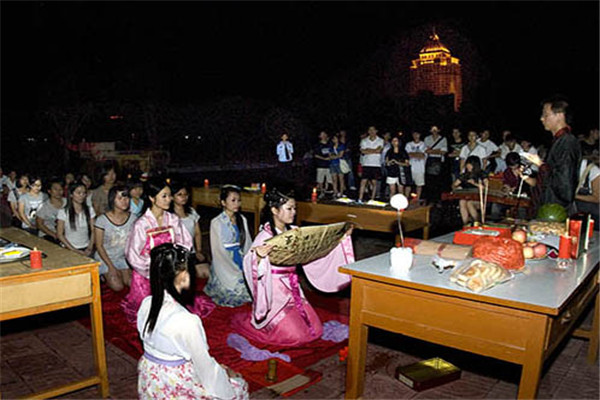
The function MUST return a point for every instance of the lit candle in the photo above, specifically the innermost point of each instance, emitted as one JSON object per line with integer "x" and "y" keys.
{"x": 35, "y": 258}
{"x": 313, "y": 196}
{"x": 206, "y": 183}
{"x": 263, "y": 188}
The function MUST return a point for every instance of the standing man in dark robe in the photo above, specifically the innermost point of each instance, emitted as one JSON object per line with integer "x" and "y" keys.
{"x": 559, "y": 173}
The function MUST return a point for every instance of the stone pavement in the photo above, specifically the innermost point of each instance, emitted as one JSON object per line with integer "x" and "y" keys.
{"x": 41, "y": 358}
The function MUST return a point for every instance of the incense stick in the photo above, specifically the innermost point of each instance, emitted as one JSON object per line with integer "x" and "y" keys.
{"x": 480, "y": 187}
{"x": 487, "y": 184}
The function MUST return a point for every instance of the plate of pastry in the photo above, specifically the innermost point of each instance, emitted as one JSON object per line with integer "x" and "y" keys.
{"x": 15, "y": 253}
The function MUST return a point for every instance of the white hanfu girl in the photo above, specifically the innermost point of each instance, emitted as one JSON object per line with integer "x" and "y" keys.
{"x": 230, "y": 240}
{"x": 176, "y": 363}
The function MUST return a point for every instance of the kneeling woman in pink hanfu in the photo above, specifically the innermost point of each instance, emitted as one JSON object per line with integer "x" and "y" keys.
{"x": 176, "y": 363}
{"x": 281, "y": 315}
{"x": 154, "y": 227}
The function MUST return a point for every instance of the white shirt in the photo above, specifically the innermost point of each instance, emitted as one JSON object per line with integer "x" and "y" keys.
{"x": 416, "y": 164}
{"x": 478, "y": 151}
{"x": 371, "y": 160}
{"x": 48, "y": 213}
{"x": 79, "y": 238}
{"x": 179, "y": 334}
{"x": 489, "y": 146}
{"x": 189, "y": 222}
{"x": 442, "y": 145}
{"x": 10, "y": 184}
{"x": 281, "y": 153}
{"x": 504, "y": 150}
{"x": 594, "y": 173}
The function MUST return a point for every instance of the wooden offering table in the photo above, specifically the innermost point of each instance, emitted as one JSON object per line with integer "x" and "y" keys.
{"x": 252, "y": 202}
{"x": 371, "y": 218}
{"x": 66, "y": 280}
{"x": 521, "y": 321}
{"x": 494, "y": 196}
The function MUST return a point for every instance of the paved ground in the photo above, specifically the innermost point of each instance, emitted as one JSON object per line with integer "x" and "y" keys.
{"x": 40, "y": 352}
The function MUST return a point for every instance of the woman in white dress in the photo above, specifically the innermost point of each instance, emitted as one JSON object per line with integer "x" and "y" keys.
{"x": 191, "y": 221}
{"x": 230, "y": 240}
{"x": 176, "y": 363}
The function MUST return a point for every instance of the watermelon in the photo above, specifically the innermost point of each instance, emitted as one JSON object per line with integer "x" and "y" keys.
{"x": 552, "y": 212}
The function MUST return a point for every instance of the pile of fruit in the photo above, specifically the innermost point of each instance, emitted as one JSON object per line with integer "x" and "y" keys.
{"x": 531, "y": 250}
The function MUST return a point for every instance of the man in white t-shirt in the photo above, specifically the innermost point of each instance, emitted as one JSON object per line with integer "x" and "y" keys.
{"x": 417, "y": 156}
{"x": 529, "y": 148}
{"x": 472, "y": 148}
{"x": 509, "y": 145}
{"x": 437, "y": 147}
{"x": 491, "y": 150}
{"x": 3, "y": 181}
{"x": 370, "y": 148}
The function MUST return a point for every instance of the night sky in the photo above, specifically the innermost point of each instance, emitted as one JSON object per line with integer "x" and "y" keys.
{"x": 189, "y": 52}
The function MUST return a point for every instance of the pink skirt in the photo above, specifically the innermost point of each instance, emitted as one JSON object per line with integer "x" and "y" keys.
{"x": 140, "y": 289}
{"x": 160, "y": 381}
{"x": 288, "y": 328}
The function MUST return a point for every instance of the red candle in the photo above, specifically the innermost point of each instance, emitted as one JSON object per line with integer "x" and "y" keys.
{"x": 35, "y": 258}
{"x": 564, "y": 248}
{"x": 206, "y": 183}
{"x": 263, "y": 188}
{"x": 313, "y": 196}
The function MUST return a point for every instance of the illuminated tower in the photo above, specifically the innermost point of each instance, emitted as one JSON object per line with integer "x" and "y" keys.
{"x": 436, "y": 71}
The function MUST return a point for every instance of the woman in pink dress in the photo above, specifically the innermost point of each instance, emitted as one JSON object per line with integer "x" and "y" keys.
{"x": 154, "y": 227}
{"x": 281, "y": 315}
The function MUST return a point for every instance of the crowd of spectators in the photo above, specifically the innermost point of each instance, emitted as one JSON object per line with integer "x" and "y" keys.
{"x": 424, "y": 166}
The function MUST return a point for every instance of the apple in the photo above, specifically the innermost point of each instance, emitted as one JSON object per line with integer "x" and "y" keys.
{"x": 520, "y": 236}
{"x": 540, "y": 250}
{"x": 528, "y": 252}
{"x": 531, "y": 244}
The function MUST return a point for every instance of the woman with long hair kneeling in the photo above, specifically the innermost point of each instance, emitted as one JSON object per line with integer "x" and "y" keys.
{"x": 281, "y": 315}
{"x": 176, "y": 363}
{"x": 230, "y": 240}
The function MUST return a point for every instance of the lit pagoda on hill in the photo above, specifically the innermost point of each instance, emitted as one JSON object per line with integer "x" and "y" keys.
{"x": 436, "y": 71}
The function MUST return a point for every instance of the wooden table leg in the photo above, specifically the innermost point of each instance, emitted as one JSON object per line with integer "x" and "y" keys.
{"x": 98, "y": 335}
{"x": 427, "y": 223}
{"x": 256, "y": 222}
{"x": 357, "y": 346}
{"x": 534, "y": 359}
{"x": 593, "y": 349}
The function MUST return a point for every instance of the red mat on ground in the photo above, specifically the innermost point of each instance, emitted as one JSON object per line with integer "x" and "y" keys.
{"x": 217, "y": 326}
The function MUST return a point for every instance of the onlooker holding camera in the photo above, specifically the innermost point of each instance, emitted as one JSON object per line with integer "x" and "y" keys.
{"x": 511, "y": 182}
{"x": 588, "y": 189}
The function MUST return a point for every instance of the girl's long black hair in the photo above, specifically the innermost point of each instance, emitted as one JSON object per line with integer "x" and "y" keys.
{"x": 71, "y": 209}
{"x": 274, "y": 198}
{"x": 225, "y": 190}
{"x": 151, "y": 189}
{"x": 476, "y": 163}
{"x": 166, "y": 262}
